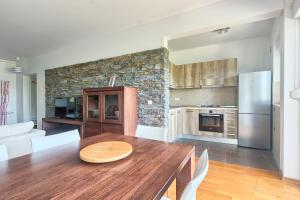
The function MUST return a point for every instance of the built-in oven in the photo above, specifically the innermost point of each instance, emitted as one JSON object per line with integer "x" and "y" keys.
{"x": 211, "y": 122}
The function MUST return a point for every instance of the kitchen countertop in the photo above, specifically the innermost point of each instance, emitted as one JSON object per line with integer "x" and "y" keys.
{"x": 208, "y": 108}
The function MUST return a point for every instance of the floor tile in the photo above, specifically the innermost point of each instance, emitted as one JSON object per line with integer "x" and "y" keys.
{"x": 234, "y": 154}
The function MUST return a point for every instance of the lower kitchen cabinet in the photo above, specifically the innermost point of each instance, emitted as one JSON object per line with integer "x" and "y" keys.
{"x": 172, "y": 132}
{"x": 230, "y": 123}
{"x": 175, "y": 124}
{"x": 179, "y": 121}
{"x": 185, "y": 121}
{"x": 189, "y": 76}
{"x": 190, "y": 121}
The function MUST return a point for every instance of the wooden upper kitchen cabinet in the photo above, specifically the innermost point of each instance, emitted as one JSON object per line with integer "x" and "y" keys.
{"x": 230, "y": 71}
{"x": 216, "y": 73}
{"x": 190, "y": 121}
{"x": 104, "y": 110}
{"x": 212, "y": 73}
{"x": 197, "y": 70}
{"x": 171, "y": 76}
{"x": 192, "y": 75}
{"x": 220, "y": 68}
{"x": 209, "y": 70}
{"x": 178, "y": 76}
{"x": 189, "y": 76}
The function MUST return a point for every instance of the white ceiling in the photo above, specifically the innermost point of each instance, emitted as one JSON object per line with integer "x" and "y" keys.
{"x": 31, "y": 27}
{"x": 251, "y": 30}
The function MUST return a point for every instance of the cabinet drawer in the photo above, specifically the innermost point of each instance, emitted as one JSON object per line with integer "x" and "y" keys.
{"x": 231, "y": 129}
{"x": 231, "y": 132}
{"x": 231, "y": 123}
{"x": 231, "y": 115}
{"x": 233, "y": 136}
{"x": 112, "y": 128}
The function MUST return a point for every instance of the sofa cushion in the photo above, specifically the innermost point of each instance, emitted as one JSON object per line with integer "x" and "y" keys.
{"x": 15, "y": 129}
{"x": 20, "y": 145}
{"x": 4, "y": 131}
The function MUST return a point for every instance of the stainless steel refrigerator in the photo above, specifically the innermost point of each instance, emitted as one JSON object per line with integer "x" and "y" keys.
{"x": 255, "y": 109}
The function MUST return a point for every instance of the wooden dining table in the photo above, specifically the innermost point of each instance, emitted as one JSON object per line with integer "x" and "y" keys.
{"x": 58, "y": 173}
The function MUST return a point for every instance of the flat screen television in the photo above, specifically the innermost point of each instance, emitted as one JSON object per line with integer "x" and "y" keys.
{"x": 67, "y": 107}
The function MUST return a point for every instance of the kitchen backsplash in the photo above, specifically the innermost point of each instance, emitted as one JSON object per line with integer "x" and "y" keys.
{"x": 226, "y": 96}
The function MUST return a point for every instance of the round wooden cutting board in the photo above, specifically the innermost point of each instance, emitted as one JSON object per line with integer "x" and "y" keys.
{"x": 103, "y": 152}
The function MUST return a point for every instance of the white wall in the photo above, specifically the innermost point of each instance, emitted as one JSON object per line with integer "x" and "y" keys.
{"x": 29, "y": 98}
{"x": 40, "y": 90}
{"x": 276, "y": 40}
{"x": 33, "y": 99}
{"x": 277, "y": 148}
{"x": 19, "y": 86}
{"x": 290, "y": 108}
{"x": 147, "y": 37}
{"x": 152, "y": 35}
{"x": 253, "y": 54}
{"x": 5, "y": 74}
{"x": 276, "y": 57}
{"x": 26, "y": 98}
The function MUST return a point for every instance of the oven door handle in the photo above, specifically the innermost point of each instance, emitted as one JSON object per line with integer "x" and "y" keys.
{"x": 211, "y": 115}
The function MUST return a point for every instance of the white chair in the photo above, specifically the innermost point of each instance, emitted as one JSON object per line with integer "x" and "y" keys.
{"x": 43, "y": 143}
{"x": 3, "y": 153}
{"x": 190, "y": 190}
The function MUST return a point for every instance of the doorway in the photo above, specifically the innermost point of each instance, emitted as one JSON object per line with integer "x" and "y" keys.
{"x": 30, "y": 98}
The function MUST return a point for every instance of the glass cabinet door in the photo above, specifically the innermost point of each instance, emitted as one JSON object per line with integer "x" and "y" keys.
{"x": 93, "y": 107}
{"x": 111, "y": 106}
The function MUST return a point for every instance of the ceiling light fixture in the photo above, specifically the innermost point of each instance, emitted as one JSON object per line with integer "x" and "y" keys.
{"x": 17, "y": 69}
{"x": 221, "y": 30}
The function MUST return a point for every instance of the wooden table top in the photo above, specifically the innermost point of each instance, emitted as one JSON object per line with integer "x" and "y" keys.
{"x": 60, "y": 174}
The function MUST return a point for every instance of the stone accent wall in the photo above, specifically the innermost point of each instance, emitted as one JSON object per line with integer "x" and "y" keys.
{"x": 147, "y": 70}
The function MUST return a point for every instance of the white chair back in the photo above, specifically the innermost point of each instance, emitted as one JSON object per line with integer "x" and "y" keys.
{"x": 190, "y": 190}
{"x": 3, "y": 153}
{"x": 47, "y": 142}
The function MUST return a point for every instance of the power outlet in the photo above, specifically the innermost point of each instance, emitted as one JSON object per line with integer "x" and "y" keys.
{"x": 149, "y": 102}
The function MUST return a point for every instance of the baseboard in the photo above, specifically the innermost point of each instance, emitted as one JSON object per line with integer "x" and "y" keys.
{"x": 290, "y": 180}
{"x": 150, "y": 132}
{"x": 210, "y": 139}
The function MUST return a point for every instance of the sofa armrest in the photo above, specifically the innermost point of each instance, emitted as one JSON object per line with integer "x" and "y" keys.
{"x": 18, "y": 145}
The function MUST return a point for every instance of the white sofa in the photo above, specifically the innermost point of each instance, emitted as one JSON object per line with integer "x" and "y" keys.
{"x": 17, "y": 138}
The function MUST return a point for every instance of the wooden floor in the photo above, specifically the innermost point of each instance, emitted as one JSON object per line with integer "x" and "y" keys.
{"x": 229, "y": 181}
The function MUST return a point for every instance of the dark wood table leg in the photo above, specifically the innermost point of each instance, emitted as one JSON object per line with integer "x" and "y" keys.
{"x": 185, "y": 175}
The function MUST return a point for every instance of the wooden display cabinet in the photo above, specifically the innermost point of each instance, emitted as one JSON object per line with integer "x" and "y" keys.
{"x": 110, "y": 109}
